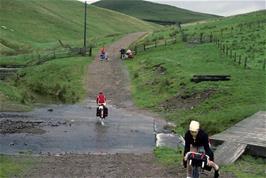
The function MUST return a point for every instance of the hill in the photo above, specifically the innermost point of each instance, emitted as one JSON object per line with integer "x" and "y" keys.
{"x": 33, "y": 23}
{"x": 153, "y": 12}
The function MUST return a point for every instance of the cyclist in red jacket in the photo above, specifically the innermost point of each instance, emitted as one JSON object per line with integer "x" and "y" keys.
{"x": 101, "y": 99}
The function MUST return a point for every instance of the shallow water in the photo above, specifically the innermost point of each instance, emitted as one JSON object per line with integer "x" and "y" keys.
{"x": 75, "y": 129}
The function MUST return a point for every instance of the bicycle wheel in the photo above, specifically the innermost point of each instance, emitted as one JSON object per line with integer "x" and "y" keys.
{"x": 195, "y": 172}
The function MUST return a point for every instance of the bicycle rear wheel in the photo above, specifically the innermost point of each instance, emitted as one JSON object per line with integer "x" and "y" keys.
{"x": 195, "y": 172}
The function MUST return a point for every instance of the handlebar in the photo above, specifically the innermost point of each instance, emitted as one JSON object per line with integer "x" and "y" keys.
{"x": 197, "y": 159}
{"x": 196, "y": 153}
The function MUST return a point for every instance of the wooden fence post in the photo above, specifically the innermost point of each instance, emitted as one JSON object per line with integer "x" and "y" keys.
{"x": 211, "y": 37}
{"x": 201, "y": 35}
{"x": 245, "y": 63}
{"x": 90, "y": 52}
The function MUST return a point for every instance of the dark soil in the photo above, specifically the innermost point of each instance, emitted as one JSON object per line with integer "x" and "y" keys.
{"x": 111, "y": 166}
{"x": 10, "y": 127}
{"x": 186, "y": 100}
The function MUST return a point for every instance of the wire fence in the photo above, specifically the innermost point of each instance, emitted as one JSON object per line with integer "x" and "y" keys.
{"x": 219, "y": 38}
{"x": 156, "y": 43}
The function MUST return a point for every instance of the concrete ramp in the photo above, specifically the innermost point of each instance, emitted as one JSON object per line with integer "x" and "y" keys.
{"x": 229, "y": 152}
{"x": 246, "y": 136}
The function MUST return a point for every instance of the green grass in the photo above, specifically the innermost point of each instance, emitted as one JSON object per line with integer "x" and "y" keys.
{"x": 235, "y": 32}
{"x": 60, "y": 80}
{"x": 232, "y": 101}
{"x": 168, "y": 156}
{"x": 152, "y": 11}
{"x": 247, "y": 167}
{"x": 40, "y": 24}
{"x": 11, "y": 167}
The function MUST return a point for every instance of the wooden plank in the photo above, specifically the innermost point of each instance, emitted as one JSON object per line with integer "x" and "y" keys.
{"x": 200, "y": 78}
{"x": 229, "y": 152}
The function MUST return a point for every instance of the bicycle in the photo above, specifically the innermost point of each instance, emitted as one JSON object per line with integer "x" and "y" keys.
{"x": 198, "y": 161}
{"x": 102, "y": 113}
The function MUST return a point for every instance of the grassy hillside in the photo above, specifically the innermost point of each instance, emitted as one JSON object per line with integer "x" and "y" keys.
{"x": 32, "y": 28}
{"x": 152, "y": 11}
{"x": 161, "y": 82}
{"x": 32, "y": 23}
{"x": 243, "y": 34}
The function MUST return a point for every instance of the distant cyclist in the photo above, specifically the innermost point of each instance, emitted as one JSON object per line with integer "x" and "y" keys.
{"x": 103, "y": 54}
{"x": 196, "y": 140}
{"x": 101, "y": 102}
{"x": 122, "y": 53}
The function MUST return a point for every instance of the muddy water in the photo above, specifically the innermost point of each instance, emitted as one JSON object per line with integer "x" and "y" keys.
{"x": 74, "y": 129}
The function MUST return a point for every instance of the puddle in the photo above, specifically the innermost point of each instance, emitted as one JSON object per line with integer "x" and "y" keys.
{"x": 59, "y": 129}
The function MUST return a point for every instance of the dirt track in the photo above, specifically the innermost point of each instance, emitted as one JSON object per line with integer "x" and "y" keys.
{"x": 110, "y": 76}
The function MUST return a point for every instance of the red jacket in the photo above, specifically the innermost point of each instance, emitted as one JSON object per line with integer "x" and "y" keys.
{"x": 100, "y": 99}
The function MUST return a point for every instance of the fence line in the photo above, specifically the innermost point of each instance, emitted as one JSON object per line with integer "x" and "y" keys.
{"x": 145, "y": 46}
{"x": 38, "y": 58}
{"x": 224, "y": 48}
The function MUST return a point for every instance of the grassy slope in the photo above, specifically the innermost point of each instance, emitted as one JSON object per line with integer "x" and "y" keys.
{"x": 248, "y": 41}
{"x": 41, "y": 23}
{"x": 233, "y": 100}
{"x": 152, "y": 11}
{"x": 60, "y": 80}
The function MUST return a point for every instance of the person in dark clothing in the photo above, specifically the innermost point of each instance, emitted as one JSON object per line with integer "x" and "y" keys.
{"x": 123, "y": 53}
{"x": 196, "y": 140}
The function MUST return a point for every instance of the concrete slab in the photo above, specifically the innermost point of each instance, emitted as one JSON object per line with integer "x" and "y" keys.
{"x": 250, "y": 132}
{"x": 229, "y": 152}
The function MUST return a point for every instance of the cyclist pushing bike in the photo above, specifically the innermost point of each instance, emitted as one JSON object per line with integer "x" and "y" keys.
{"x": 196, "y": 140}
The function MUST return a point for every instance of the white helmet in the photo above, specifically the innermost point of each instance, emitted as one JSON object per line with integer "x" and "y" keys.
{"x": 194, "y": 126}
